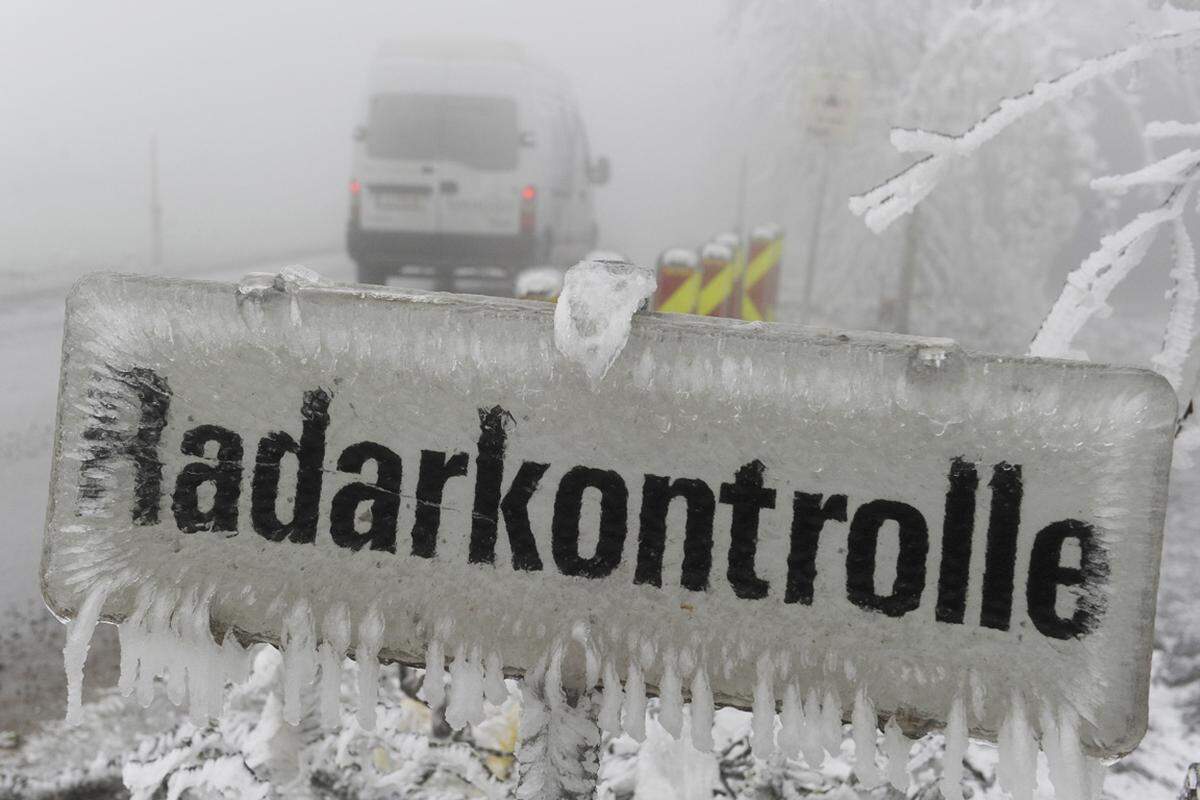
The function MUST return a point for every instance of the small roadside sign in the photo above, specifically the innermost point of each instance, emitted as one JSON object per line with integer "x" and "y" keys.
{"x": 834, "y": 100}
{"x": 783, "y": 511}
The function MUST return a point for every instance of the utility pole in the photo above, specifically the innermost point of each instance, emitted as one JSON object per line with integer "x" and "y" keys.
{"x": 741, "y": 200}
{"x": 814, "y": 235}
{"x": 156, "y": 245}
{"x": 908, "y": 274}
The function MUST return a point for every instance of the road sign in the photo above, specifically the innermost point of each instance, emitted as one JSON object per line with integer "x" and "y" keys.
{"x": 834, "y": 100}
{"x": 771, "y": 507}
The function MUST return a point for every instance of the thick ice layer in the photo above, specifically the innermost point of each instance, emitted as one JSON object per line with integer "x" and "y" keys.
{"x": 592, "y": 318}
{"x": 464, "y": 487}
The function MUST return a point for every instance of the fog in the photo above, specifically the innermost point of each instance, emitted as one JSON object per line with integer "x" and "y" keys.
{"x": 253, "y": 106}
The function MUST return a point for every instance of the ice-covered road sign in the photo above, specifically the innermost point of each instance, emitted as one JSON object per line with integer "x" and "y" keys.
{"x": 762, "y": 506}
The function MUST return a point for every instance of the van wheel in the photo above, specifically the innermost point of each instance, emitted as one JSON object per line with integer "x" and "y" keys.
{"x": 367, "y": 272}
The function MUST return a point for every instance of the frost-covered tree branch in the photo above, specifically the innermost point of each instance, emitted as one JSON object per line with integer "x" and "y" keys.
{"x": 1087, "y": 289}
{"x": 884, "y": 204}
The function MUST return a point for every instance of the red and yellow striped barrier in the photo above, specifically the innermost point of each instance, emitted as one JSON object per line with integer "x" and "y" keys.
{"x": 678, "y": 282}
{"x": 760, "y": 282}
{"x": 716, "y": 280}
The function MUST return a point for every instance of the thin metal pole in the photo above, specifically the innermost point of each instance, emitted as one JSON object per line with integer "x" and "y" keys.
{"x": 156, "y": 244}
{"x": 908, "y": 274}
{"x": 814, "y": 235}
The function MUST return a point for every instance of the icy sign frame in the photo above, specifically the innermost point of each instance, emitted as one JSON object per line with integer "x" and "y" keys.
{"x": 736, "y": 512}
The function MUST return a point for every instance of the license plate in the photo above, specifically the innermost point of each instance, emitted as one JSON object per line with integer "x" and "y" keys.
{"x": 397, "y": 201}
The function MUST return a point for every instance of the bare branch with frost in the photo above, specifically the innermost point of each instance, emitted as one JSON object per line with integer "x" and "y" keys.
{"x": 884, "y": 204}
{"x": 1171, "y": 128}
{"x": 1185, "y": 296}
{"x": 1087, "y": 289}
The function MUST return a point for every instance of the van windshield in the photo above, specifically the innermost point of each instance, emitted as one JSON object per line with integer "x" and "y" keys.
{"x": 476, "y": 131}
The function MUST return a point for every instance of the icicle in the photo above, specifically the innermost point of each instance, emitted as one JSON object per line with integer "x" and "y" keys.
{"x": 370, "y": 638}
{"x": 205, "y": 672}
{"x": 75, "y": 651}
{"x": 865, "y": 723}
{"x": 896, "y": 746}
{"x": 235, "y": 669}
{"x": 978, "y": 693}
{"x": 956, "y": 748}
{"x": 156, "y": 639}
{"x": 1095, "y": 771}
{"x": 494, "y": 689}
{"x": 1017, "y": 768}
{"x": 702, "y": 711}
{"x": 670, "y": 714}
{"x": 132, "y": 639}
{"x": 466, "y": 690}
{"x": 831, "y": 723}
{"x": 336, "y": 630}
{"x": 434, "y": 685}
{"x": 299, "y": 659}
{"x": 762, "y": 724}
{"x": 791, "y": 717}
{"x": 176, "y": 658}
{"x": 634, "y": 718}
{"x": 810, "y": 742}
{"x": 581, "y": 634}
{"x": 610, "y": 702}
{"x": 1070, "y": 779}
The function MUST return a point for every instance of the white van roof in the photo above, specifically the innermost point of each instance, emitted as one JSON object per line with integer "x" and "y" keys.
{"x": 396, "y": 57}
{"x": 451, "y": 48}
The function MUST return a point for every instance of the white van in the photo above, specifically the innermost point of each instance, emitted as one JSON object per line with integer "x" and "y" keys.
{"x": 470, "y": 156}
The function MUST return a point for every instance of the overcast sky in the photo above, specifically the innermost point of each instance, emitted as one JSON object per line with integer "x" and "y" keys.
{"x": 253, "y": 105}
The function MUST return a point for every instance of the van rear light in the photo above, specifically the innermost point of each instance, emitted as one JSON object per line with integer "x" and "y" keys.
{"x": 528, "y": 209}
{"x": 355, "y": 201}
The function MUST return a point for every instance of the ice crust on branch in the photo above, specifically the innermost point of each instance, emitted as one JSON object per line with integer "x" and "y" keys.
{"x": 1088, "y": 287}
{"x": 593, "y": 315}
{"x": 1166, "y": 129}
{"x": 884, "y": 204}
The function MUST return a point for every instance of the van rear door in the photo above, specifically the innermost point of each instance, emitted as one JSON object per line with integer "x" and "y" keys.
{"x": 402, "y": 146}
{"x": 478, "y": 185}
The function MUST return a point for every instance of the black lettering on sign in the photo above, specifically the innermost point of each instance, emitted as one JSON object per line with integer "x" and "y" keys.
{"x": 106, "y": 440}
{"x": 564, "y": 528}
{"x": 225, "y": 476}
{"x": 958, "y": 528}
{"x": 657, "y": 494}
{"x": 489, "y": 474}
{"x": 383, "y": 495}
{"x": 155, "y": 398}
{"x": 748, "y": 498}
{"x": 1046, "y": 574}
{"x": 910, "y": 566}
{"x": 1001, "y": 562}
{"x": 809, "y": 516}
{"x": 436, "y": 469}
{"x": 310, "y": 455}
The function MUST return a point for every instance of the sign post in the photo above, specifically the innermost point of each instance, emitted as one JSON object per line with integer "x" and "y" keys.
{"x": 733, "y": 514}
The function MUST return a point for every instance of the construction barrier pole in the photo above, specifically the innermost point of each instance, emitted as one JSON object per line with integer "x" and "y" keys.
{"x": 678, "y": 282}
{"x": 733, "y": 241}
{"x": 760, "y": 287}
{"x": 716, "y": 280}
